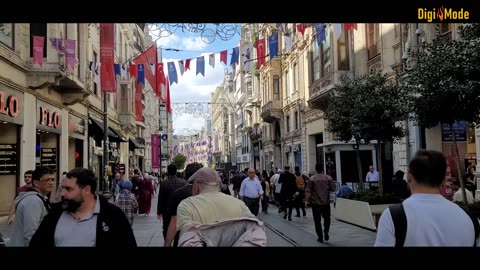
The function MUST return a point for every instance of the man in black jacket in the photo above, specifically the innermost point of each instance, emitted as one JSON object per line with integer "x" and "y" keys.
{"x": 289, "y": 191}
{"x": 83, "y": 218}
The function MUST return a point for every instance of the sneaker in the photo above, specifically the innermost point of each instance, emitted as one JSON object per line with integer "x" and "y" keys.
{"x": 320, "y": 240}
{"x": 327, "y": 237}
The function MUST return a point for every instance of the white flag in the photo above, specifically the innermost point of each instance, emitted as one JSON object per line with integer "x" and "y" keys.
{"x": 96, "y": 75}
{"x": 288, "y": 41}
{"x": 247, "y": 57}
{"x": 211, "y": 60}
{"x": 123, "y": 72}
{"x": 181, "y": 66}
{"x": 337, "y": 30}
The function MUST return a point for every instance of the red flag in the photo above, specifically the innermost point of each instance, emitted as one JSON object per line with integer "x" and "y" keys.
{"x": 223, "y": 57}
{"x": 160, "y": 77}
{"x": 260, "y": 47}
{"x": 133, "y": 70}
{"x": 38, "y": 50}
{"x": 168, "y": 104}
{"x": 148, "y": 58}
{"x": 187, "y": 64}
{"x": 350, "y": 25}
{"x": 107, "y": 72}
{"x": 301, "y": 28}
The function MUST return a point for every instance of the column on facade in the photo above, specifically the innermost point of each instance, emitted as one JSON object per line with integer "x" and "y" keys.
{"x": 28, "y": 138}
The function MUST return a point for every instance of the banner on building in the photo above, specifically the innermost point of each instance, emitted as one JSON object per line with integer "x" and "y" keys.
{"x": 38, "y": 50}
{"x": 155, "y": 151}
{"x": 107, "y": 72}
{"x": 70, "y": 54}
{"x": 138, "y": 101}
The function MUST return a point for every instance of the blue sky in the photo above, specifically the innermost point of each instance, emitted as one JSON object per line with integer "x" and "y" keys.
{"x": 192, "y": 87}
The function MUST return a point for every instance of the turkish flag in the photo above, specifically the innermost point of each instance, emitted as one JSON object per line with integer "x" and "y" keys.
{"x": 301, "y": 28}
{"x": 260, "y": 47}
{"x": 350, "y": 25}
{"x": 161, "y": 81}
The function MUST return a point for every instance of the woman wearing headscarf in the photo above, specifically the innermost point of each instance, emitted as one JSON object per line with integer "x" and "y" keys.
{"x": 127, "y": 201}
{"x": 145, "y": 196}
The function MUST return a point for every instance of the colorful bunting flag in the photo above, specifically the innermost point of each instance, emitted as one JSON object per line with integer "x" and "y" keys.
{"x": 350, "y": 25}
{"x": 187, "y": 64}
{"x": 181, "y": 66}
{"x": 223, "y": 56}
{"x": 201, "y": 65}
{"x": 116, "y": 67}
{"x": 320, "y": 32}
{"x": 234, "y": 59}
{"x": 337, "y": 30}
{"x": 211, "y": 60}
{"x": 141, "y": 74}
{"x": 70, "y": 54}
{"x": 172, "y": 73}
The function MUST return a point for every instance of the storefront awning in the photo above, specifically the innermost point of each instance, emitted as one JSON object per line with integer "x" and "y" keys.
{"x": 114, "y": 136}
{"x": 135, "y": 144}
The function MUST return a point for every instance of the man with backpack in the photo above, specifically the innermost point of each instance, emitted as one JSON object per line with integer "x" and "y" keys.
{"x": 426, "y": 218}
{"x": 300, "y": 198}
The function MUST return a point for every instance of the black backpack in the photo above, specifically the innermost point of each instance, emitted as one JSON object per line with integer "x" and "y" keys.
{"x": 400, "y": 223}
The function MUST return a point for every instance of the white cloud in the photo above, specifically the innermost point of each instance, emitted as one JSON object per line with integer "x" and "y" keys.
{"x": 193, "y": 44}
{"x": 189, "y": 122}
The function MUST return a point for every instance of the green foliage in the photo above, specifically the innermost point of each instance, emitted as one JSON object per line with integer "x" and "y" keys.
{"x": 444, "y": 83}
{"x": 374, "y": 198}
{"x": 179, "y": 161}
{"x": 367, "y": 108}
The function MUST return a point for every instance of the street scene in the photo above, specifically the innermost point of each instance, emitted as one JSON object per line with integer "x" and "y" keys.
{"x": 280, "y": 233}
{"x": 240, "y": 134}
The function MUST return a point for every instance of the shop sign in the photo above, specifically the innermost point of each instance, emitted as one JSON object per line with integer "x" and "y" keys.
{"x": 76, "y": 126}
{"x": 49, "y": 118}
{"x": 11, "y": 106}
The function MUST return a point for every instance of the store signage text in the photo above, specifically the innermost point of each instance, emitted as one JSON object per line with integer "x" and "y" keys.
{"x": 49, "y": 118}
{"x": 9, "y": 105}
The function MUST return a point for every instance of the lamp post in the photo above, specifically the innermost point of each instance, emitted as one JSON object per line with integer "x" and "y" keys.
{"x": 106, "y": 191}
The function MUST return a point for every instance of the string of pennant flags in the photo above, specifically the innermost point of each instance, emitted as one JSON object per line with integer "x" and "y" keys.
{"x": 161, "y": 76}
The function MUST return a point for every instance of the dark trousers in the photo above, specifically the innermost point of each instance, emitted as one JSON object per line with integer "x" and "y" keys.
{"x": 299, "y": 203}
{"x": 253, "y": 204}
{"x": 287, "y": 207}
{"x": 320, "y": 211}
{"x": 265, "y": 204}
{"x": 166, "y": 223}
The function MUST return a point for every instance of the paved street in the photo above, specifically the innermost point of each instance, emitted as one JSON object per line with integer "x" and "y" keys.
{"x": 298, "y": 232}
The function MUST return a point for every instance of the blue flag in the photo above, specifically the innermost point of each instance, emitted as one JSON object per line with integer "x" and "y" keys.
{"x": 172, "y": 72}
{"x": 320, "y": 31}
{"x": 141, "y": 74}
{"x": 234, "y": 59}
{"x": 116, "y": 67}
{"x": 273, "y": 45}
{"x": 201, "y": 65}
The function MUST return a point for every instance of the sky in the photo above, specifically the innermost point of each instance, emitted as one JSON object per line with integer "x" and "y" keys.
{"x": 192, "y": 87}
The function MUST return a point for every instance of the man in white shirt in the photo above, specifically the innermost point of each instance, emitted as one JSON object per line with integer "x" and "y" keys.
{"x": 277, "y": 188}
{"x": 431, "y": 220}
{"x": 251, "y": 191}
{"x": 372, "y": 175}
{"x": 458, "y": 196}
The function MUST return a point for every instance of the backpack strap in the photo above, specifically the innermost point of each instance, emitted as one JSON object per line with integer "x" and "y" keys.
{"x": 476, "y": 226}
{"x": 45, "y": 203}
{"x": 399, "y": 222}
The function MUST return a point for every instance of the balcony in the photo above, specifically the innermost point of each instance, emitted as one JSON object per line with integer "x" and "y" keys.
{"x": 320, "y": 90}
{"x": 54, "y": 75}
{"x": 272, "y": 111}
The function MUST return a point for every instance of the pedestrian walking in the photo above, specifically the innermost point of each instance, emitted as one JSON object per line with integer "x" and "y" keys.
{"x": 127, "y": 201}
{"x": 317, "y": 195}
{"x": 251, "y": 192}
{"x": 83, "y": 218}
{"x": 426, "y": 218}
{"x": 288, "y": 192}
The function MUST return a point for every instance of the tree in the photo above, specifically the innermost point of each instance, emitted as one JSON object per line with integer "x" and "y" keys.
{"x": 179, "y": 161}
{"x": 444, "y": 85}
{"x": 364, "y": 109}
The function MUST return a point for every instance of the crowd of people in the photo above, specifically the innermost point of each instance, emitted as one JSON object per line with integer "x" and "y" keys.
{"x": 197, "y": 208}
